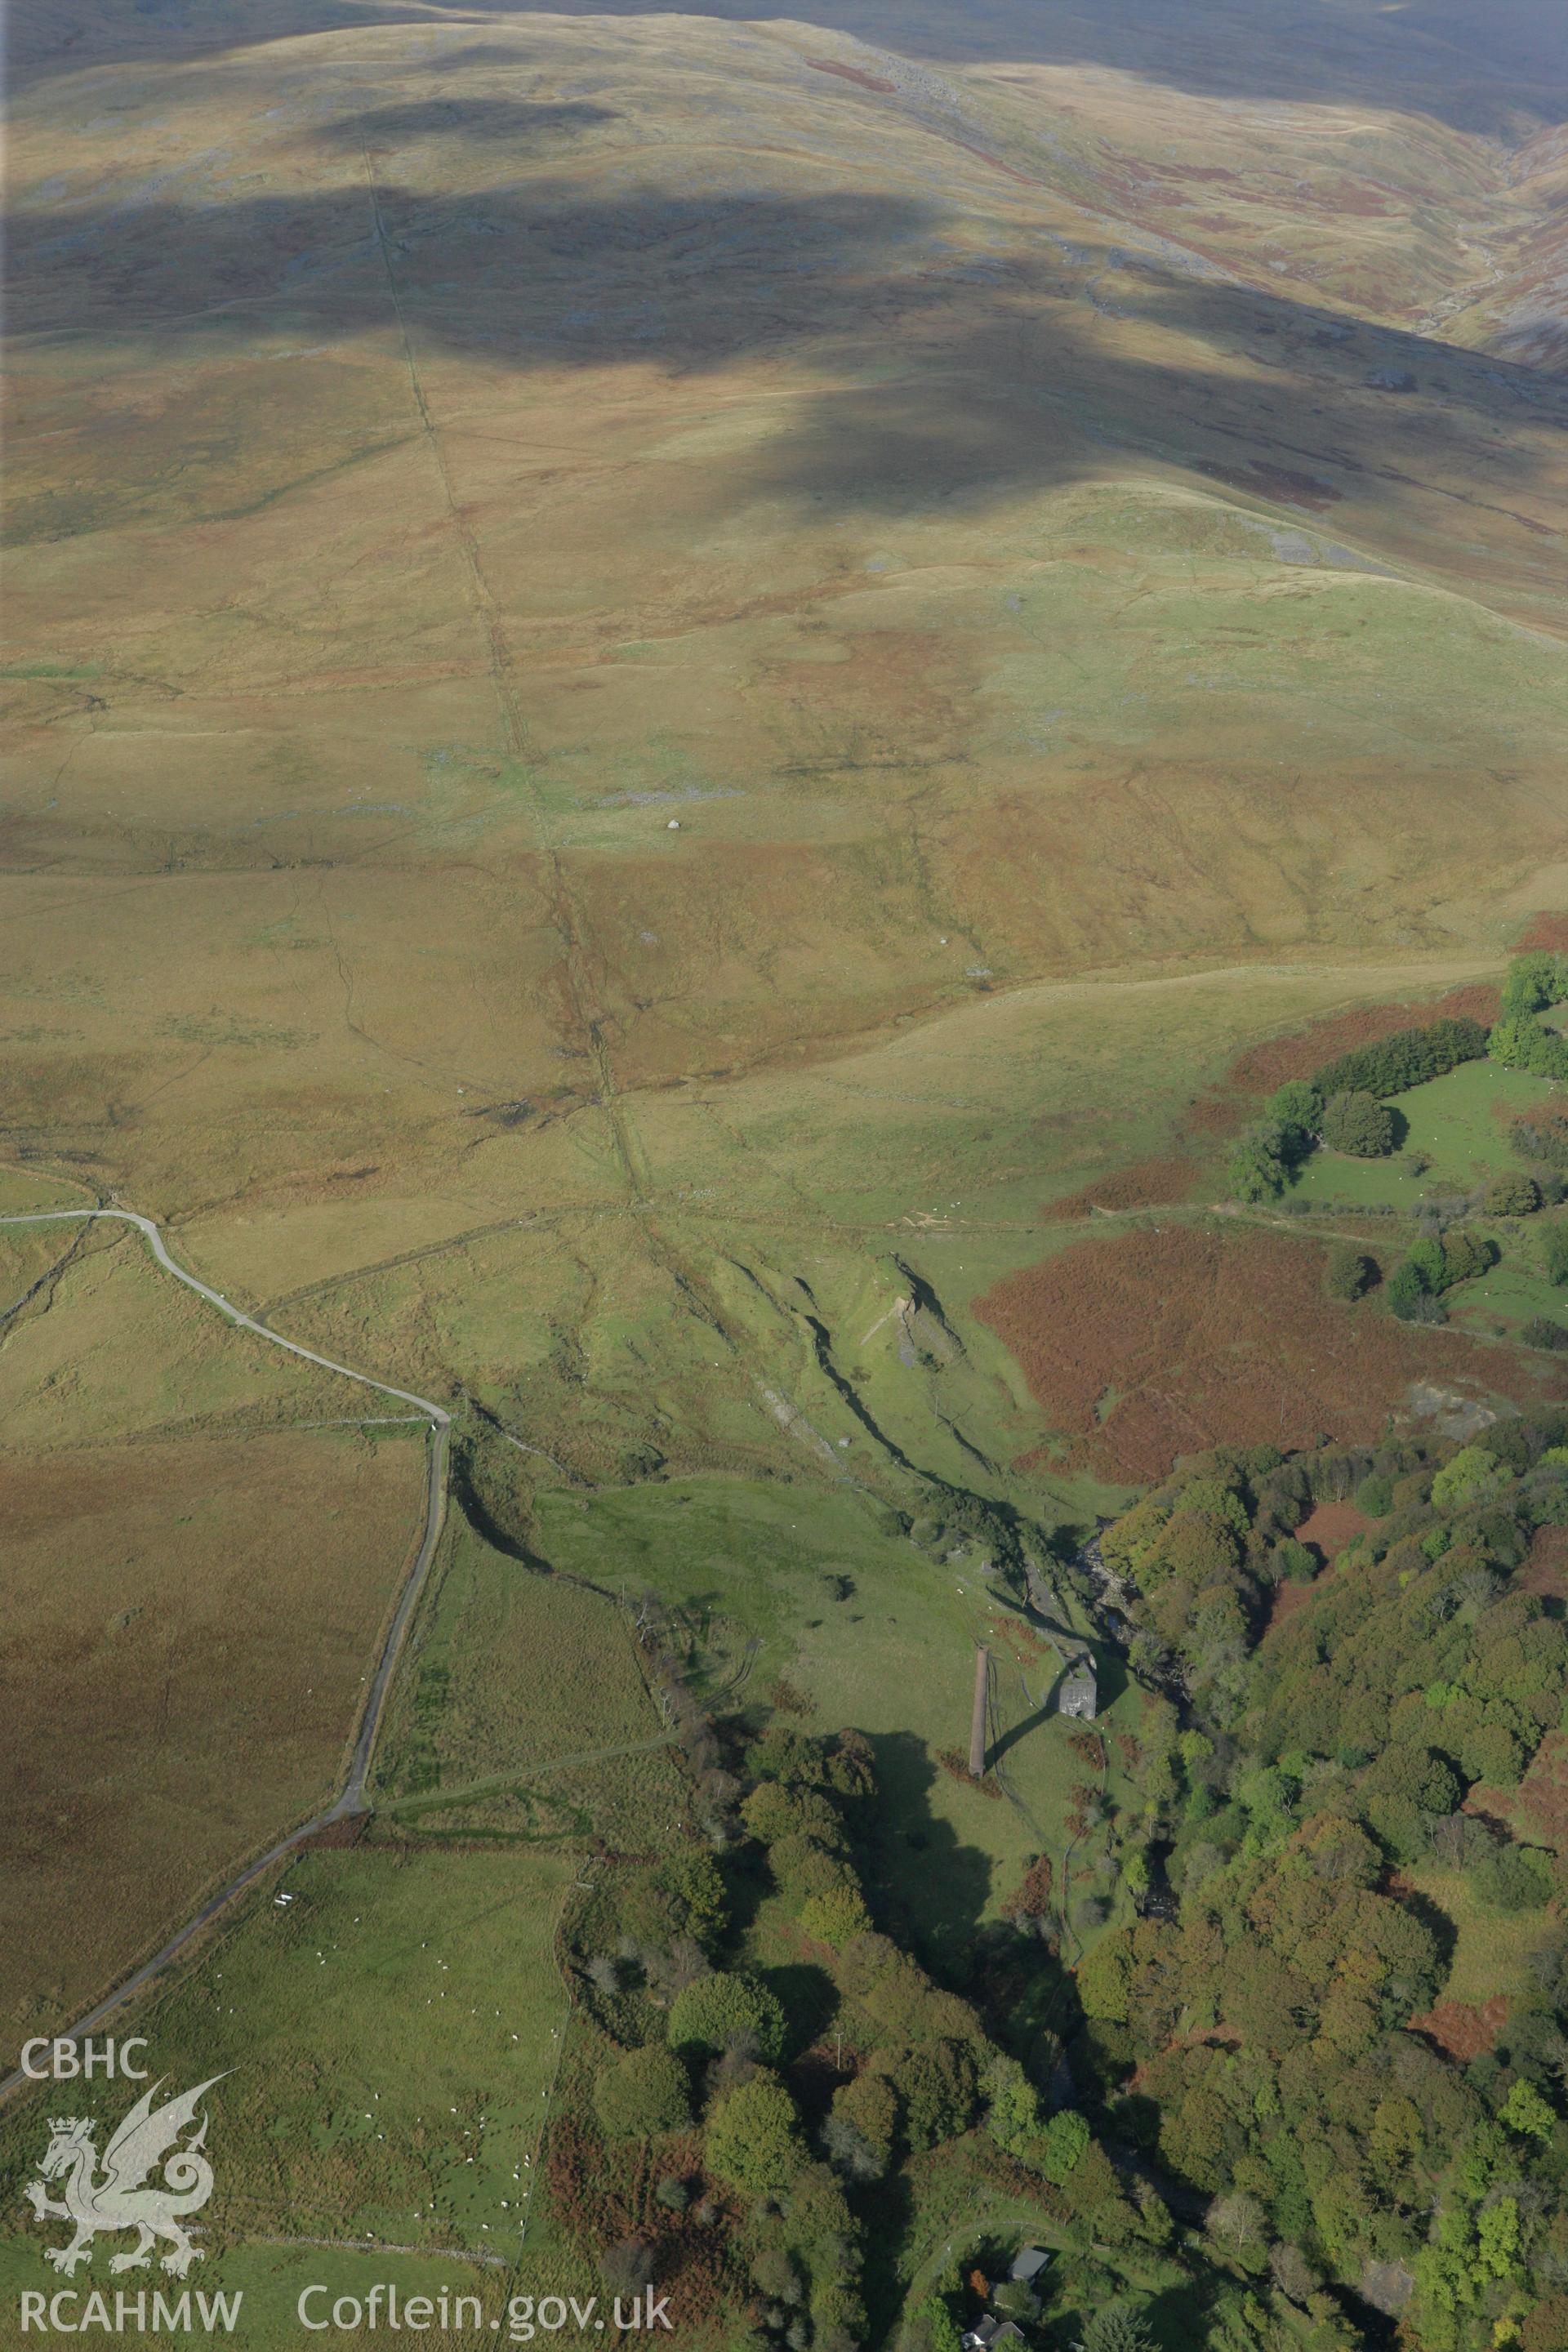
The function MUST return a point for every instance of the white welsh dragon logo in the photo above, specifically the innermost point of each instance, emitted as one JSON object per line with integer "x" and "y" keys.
{"x": 117, "y": 2198}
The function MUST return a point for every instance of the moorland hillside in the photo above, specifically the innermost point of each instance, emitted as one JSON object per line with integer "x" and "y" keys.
{"x": 667, "y": 670}
{"x": 663, "y": 540}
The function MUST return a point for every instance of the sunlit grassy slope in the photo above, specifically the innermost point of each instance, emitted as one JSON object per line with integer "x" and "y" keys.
{"x": 666, "y": 669}
{"x": 718, "y": 537}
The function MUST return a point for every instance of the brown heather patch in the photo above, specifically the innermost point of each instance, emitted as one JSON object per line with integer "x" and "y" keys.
{"x": 348, "y": 1832}
{"x": 1263, "y": 1067}
{"x": 1011, "y": 171}
{"x": 1034, "y": 1894}
{"x": 1541, "y": 1798}
{"x": 188, "y": 1625}
{"x": 1147, "y": 1185}
{"x": 987, "y": 2167}
{"x": 1266, "y": 481}
{"x": 1332, "y": 1526}
{"x": 1493, "y": 1805}
{"x": 1462, "y": 2031}
{"x": 1357, "y": 198}
{"x": 1545, "y": 1569}
{"x": 1287, "y": 1598}
{"x": 1183, "y": 1339}
{"x": 1254, "y": 1075}
{"x": 1015, "y": 1635}
{"x": 602, "y": 2194}
{"x": 956, "y": 1766}
{"x": 1326, "y": 1530}
{"x": 1188, "y": 172}
{"x": 1215, "y": 1117}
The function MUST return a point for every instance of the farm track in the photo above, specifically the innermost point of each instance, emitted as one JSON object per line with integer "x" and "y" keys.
{"x": 352, "y": 1799}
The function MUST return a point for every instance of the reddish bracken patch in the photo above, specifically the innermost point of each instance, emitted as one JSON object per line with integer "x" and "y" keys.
{"x": 1331, "y": 1527}
{"x": 1011, "y": 171}
{"x": 1146, "y": 1185}
{"x": 1357, "y": 197}
{"x": 1187, "y": 171}
{"x": 1546, "y": 1567}
{"x": 1541, "y": 1804}
{"x": 1547, "y": 931}
{"x": 1034, "y": 1894}
{"x": 1326, "y": 1530}
{"x": 850, "y": 73}
{"x": 1288, "y": 1599}
{"x": 1256, "y": 1073}
{"x": 603, "y": 2194}
{"x": 1203, "y": 2037}
{"x": 1263, "y": 1067}
{"x": 1015, "y": 1634}
{"x": 1493, "y": 1805}
{"x": 1169, "y": 1179}
{"x": 1160, "y": 1342}
{"x": 956, "y": 1766}
{"x": 346, "y": 1832}
{"x": 1463, "y": 2032}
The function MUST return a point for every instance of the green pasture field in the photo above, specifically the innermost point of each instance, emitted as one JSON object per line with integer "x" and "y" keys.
{"x": 390, "y": 2041}
{"x": 1459, "y": 1122}
{"x": 1514, "y": 1293}
{"x": 757, "y": 1564}
{"x": 524, "y": 1710}
{"x": 1491, "y": 1950}
{"x": 876, "y": 1347}
{"x": 978, "y": 1117}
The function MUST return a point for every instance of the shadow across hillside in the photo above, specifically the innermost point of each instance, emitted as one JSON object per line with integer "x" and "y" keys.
{"x": 1496, "y": 71}
{"x": 523, "y": 127}
{"x": 1012, "y": 374}
{"x": 929, "y": 1889}
{"x": 1469, "y": 64}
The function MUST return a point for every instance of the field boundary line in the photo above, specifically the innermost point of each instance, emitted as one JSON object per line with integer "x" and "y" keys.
{"x": 399, "y": 1808}
{"x": 381, "y": 2246}
{"x": 569, "y": 1999}
{"x": 351, "y": 1799}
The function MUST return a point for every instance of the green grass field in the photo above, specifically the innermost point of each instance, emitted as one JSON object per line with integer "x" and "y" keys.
{"x": 118, "y": 1349}
{"x": 1460, "y": 1123}
{"x": 893, "y": 1655}
{"x": 524, "y": 1710}
{"x": 1491, "y": 1950}
{"x": 389, "y": 2042}
{"x": 1514, "y": 1293}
